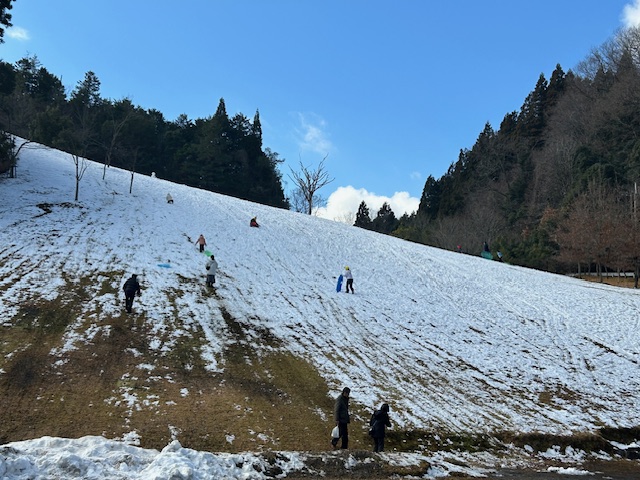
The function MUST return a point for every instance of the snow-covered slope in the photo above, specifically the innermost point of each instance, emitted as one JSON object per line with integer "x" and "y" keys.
{"x": 451, "y": 341}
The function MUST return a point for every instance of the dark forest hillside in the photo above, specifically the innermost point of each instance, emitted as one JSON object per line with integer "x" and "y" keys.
{"x": 220, "y": 153}
{"x": 555, "y": 186}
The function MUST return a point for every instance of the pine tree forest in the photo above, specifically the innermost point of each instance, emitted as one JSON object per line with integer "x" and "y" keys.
{"x": 218, "y": 153}
{"x": 555, "y": 187}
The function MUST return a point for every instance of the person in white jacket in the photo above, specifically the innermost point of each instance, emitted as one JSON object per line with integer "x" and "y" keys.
{"x": 349, "y": 276}
{"x": 212, "y": 268}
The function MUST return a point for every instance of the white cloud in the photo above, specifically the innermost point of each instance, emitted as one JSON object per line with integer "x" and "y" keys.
{"x": 18, "y": 33}
{"x": 343, "y": 204}
{"x": 311, "y": 134}
{"x": 631, "y": 14}
{"x": 415, "y": 176}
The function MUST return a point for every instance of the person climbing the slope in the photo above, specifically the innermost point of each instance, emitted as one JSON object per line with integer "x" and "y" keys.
{"x": 254, "y": 222}
{"x": 212, "y": 268}
{"x": 201, "y": 242}
{"x": 131, "y": 287}
{"x": 341, "y": 416}
{"x": 349, "y": 276}
{"x": 379, "y": 423}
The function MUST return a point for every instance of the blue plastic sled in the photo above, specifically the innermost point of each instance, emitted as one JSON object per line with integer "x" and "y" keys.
{"x": 486, "y": 255}
{"x": 339, "y": 285}
{"x": 164, "y": 265}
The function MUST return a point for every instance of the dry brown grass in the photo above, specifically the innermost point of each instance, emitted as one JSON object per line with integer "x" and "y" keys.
{"x": 265, "y": 398}
{"x": 623, "y": 282}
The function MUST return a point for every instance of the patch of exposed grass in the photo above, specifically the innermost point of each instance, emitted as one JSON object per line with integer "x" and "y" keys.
{"x": 43, "y": 318}
{"x": 621, "y": 435}
{"x": 107, "y": 282}
{"x": 540, "y": 442}
{"x": 548, "y": 396}
{"x": 27, "y": 338}
{"x": 422, "y": 440}
{"x": 624, "y": 282}
{"x": 185, "y": 356}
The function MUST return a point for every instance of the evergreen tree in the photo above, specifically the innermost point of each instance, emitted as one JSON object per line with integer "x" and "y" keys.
{"x": 430, "y": 200}
{"x": 556, "y": 87}
{"x": 385, "y": 221}
{"x": 7, "y": 78}
{"x": 531, "y": 120}
{"x": 84, "y": 105}
{"x": 7, "y": 146}
{"x": 86, "y": 94}
{"x": 363, "y": 219}
{"x": 256, "y": 128}
{"x": 5, "y": 16}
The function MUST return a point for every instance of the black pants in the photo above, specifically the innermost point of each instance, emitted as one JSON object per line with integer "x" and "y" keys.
{"x": 201, "y": 248}
{"x": 378, "y": 444}
{"x": 344, "y": 435}
{"x": 128, "y": 300}
{"x": 350, "y": 284}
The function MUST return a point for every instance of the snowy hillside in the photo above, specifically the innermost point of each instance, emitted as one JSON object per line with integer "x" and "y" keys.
{"x": 451, "y": 341}
{"x": 454, "y": 343}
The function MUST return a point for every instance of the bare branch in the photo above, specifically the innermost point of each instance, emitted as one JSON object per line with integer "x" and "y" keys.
{"x": 308, "y": 182}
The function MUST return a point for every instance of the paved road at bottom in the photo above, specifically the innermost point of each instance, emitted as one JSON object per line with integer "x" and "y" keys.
{"x": 601, "y": 470}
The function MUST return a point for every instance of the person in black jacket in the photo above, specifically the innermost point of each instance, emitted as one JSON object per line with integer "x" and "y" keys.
{"x": 131, "y": 287}
{"x": 341, "y": 416}
{"x": 379, "y": 423}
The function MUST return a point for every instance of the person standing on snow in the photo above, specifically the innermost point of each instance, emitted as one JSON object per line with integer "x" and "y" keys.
{"x": 349, "y": 276}
{"x": 212, "y": 268}
{"x": 201, "y": 242}
{"x": 379, "y": 423}
{"x": 341, "y": 416}
{"x": 131, "y": 287}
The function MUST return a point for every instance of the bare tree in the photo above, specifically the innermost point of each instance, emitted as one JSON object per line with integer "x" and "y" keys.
{"x": 594, "y": 229}
{"x": 297, "y": 201}
{"x": 81, "y": 167}
{"x": 346, "y": 217}
{"x": 134, "y": 152}
{"x": 14, "y": 153}
{"x": 308, "y": 182}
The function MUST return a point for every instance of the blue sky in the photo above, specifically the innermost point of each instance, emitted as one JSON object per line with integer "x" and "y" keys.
{"x": 388, "y": 91}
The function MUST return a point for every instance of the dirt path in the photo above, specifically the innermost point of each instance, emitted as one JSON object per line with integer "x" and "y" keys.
{"x": 599, "y": 470}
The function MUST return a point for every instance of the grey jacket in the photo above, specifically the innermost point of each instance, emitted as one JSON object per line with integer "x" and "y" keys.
{"x": 211, "y": 267}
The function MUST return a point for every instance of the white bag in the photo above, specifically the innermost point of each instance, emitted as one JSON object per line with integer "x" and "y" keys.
{"x": 335, "y": 433}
